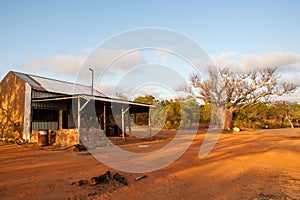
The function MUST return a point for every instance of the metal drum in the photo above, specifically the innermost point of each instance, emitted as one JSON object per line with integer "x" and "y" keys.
{"x": 43, "y": 138}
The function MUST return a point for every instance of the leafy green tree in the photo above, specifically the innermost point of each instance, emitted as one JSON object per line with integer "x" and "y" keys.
{"x": 121, "y": 96}
{"x": 142, "y": 118}
{"x": 148, "y": 99}
{"x": 171, "y": 114}
{"x": 190, "y": 113}
{"x": 158, "y": 115}
{"x": 249, "y": 116}
{"x": 287, "y": 111}
{"x": 205, "y": 112}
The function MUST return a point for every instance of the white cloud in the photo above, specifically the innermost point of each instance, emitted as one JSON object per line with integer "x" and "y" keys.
{"x": 106, "y": 88}
{"x": 227, "y": 59}
{"x": 288, "y": 64}
{"x": 276, "y": 59}
{"x": 116, "y": 59}
{"x": 270, "y": 59}
{"x": 57, "y": 65}
{"x": 76, "y": 67}
{"x": 110, "y": 64}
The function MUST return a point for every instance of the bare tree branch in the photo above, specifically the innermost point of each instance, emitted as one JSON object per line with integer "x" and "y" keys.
{"x": 239, "y": 89}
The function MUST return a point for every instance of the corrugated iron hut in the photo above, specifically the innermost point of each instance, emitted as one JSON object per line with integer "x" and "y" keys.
{"x": 31, "y": 103}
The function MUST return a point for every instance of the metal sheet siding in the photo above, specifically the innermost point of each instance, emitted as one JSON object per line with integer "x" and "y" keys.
{"x": 44, "y": 125}
{"x": 40, "y": 94}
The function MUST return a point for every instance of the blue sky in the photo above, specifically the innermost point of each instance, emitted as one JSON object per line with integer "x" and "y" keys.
{"x": 35, "y": 32}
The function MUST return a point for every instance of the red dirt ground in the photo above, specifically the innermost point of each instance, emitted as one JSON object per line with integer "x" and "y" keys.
{"x": 262, "y": 164}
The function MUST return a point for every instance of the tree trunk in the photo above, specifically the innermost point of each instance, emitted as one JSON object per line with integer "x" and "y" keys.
{"x": 290, "y": 121}
{"x": 228, "y": 125}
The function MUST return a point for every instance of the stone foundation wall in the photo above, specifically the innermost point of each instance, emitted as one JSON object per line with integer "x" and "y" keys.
{"x": 68, "y": 137}
{"x": 34, "y": 136}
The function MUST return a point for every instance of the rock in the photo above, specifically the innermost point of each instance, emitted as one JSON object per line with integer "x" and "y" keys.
{"x": 236, "y": 129}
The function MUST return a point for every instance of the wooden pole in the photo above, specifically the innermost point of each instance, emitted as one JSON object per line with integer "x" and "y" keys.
{"x": 78, "y": 119}
{"x": 123, "y": 111}
{"x": 149, "y": 123}
{"x": 123, "y": 123}
{"x": 60, "y": 119}
{"x": 104, "y": 118}
{"x": 129, "y": 123}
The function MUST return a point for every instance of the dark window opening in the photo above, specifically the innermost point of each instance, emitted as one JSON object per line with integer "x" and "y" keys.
{"x": 65, "y": 120}
{"x": 45, "y": 115}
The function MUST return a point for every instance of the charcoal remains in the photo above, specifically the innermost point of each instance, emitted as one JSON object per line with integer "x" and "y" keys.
{"x": 120, "y": 178}
{"x": 100, "y": 179}
{"x": 83, "y": 182}
{"x": 78, "y": 147}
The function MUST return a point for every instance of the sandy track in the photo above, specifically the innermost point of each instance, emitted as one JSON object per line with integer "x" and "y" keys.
{"x": 260, "y": 164}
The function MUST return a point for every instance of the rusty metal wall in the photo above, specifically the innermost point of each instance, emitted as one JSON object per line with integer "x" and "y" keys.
{"x": 40, "y": 94}
{"x": 44, "y": 125}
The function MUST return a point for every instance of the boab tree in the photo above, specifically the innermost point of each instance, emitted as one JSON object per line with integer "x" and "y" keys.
{"x": 236, "y": 90}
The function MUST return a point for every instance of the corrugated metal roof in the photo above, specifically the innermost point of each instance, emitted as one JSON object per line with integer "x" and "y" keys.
{"x": 27, "y": 79}
{"x": 96, "y": 98}
{"x": 56, "y": 86}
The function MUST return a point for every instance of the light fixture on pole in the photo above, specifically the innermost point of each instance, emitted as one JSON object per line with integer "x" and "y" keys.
{"x": 92, "y": 86}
